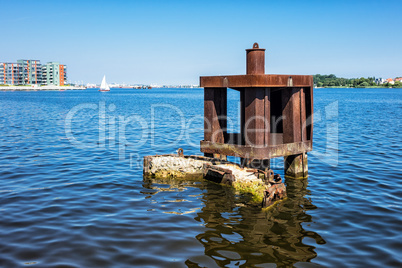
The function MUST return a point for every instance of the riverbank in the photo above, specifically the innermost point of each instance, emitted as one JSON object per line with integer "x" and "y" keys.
{"x": 43, "y": 88}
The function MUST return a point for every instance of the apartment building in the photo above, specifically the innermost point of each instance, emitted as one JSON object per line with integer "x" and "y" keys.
{"x": 32, "y": 72}
{"x": 54, "y": 73}
{"x": 10, "y": 73}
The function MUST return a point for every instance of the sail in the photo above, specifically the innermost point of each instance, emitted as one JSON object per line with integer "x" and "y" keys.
{"x": 104, "y": 85}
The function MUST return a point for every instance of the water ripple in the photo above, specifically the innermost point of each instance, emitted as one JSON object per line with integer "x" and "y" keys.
{"x": 69, "y": 205}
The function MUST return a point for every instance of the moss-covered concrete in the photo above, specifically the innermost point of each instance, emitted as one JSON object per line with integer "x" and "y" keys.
{"x": 242, "y": 180}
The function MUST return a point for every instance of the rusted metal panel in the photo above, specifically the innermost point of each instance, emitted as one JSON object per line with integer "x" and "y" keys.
{"x": 221, "y": 107}
{"x": 254, "y": 115}
{"x": 215, "y": 112}
{"x": 233, "y": 138}
{"x": 275, "y": 138}
{"x": 242, "y": 115}
{"x": 209, "y": 113}
{"x": 254, "y": 152}
{"x": 303, "y": 114}
{"x": 255, "y": 80}
{"x": 291, "y": 115}
{"x": 267, "y": 116}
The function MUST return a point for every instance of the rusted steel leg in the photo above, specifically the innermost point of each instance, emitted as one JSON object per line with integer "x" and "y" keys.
{"x": 296, "y": 166}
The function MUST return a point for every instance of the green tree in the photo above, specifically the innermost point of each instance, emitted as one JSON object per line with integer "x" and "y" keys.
{"x": 364, "y": 84}
{"x": 397, "y": 84}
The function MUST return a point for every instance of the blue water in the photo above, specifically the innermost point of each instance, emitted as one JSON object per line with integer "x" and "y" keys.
{"x": 72, "y": 192}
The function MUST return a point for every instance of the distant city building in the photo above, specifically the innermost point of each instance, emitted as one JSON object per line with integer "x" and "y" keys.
{"x": 32, "y": 72}
{"x": 390, "y": 81}
{"x": 379, "y": 81}
{"x": 91, "y": 85}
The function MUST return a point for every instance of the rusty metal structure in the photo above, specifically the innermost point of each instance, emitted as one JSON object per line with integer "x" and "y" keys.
{"x": 276, "y": 117}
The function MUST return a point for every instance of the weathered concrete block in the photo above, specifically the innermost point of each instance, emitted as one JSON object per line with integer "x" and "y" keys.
{"x": 243, "y": 180}
{"x": 173, "y": 166}
{"x": 296, "y": 166}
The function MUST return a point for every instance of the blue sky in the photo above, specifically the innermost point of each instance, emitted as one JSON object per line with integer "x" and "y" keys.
{"x": 174, "y": 42}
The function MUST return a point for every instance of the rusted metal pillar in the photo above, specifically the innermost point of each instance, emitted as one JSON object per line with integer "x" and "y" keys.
{"x": 255, "y": 107}
{"x": 296, "y": 166}
{"x": 291, "y": 115}
{"x": 255, "y": 60}
{"x": 215, "y": 121}
{"x": 294, "y": 130}
{"x": 254, "y": 112}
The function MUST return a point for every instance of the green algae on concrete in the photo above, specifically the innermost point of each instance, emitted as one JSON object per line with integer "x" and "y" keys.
{"x": 256, "y": 189}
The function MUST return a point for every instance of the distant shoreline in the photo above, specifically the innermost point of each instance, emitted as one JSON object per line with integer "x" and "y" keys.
{"x": 43, "y": 88}
{"x": 357, "y": 87}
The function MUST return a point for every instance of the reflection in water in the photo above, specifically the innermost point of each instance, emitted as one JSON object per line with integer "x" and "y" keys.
{"x": 238, "y": 234}
{"x": 153, "y": 186}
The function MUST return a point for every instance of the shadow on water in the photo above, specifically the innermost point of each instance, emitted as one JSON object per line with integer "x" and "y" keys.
{"x": 239, "y": 234}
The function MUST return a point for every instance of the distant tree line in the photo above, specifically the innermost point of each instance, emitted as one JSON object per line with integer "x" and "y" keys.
{"x": 330, "y": 80}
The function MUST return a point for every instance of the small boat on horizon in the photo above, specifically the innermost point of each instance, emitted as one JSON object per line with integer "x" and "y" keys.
{"x": 104, "y": 86}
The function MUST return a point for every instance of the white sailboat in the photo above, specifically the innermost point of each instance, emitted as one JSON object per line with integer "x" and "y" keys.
{"x": 104, "y": 86}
